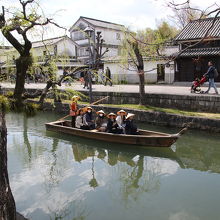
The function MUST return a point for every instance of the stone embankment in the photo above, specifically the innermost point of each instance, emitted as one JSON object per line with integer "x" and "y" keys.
{"x": 151, "y": 117}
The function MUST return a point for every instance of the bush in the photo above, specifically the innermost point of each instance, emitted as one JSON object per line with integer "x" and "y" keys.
{"x": 4, "y": 103}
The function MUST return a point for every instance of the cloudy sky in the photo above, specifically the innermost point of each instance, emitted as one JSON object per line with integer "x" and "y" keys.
{"x": 136, "y": 14}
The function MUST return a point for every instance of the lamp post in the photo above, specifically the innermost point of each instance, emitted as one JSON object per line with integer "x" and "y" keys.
{"x": 89, "y": 31}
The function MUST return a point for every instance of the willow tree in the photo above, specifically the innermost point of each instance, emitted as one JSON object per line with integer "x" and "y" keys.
{"x": 145, "y": 44}
{"x": 15, "y": 27}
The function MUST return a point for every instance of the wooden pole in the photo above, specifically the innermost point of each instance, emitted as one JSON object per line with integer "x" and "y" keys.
{"x": 94, "y": 103}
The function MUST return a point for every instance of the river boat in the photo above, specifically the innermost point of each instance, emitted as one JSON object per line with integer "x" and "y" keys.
{"x": 146, "y": 138}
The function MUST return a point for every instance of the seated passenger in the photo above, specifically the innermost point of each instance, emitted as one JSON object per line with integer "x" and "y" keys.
{"x": 79, "y": 120}
{"x": 112, "y": 126}
{"x": 101, "y": 122}
{"x": 130, "y": 127}
{"x": 88, "y": 121}
{"x": 120, "y": 119}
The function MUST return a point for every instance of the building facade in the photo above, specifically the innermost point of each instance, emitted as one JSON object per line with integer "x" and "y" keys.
{"x": 203, "y": 37}
{"x": 111, "y": 33}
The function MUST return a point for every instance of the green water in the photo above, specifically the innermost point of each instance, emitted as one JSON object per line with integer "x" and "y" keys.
{"x": 55, "y": 176}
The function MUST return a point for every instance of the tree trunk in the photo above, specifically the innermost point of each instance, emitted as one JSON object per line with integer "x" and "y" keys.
{"x": 7, "y": 203}
{"x": 141, "y": 87}
{"x": 44, "y": 92}
{"x": 22, "y": 64}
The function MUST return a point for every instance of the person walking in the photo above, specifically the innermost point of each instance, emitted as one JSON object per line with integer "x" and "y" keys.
{"x": 108, "y": 76}
{"x": 86, "y": 80}
{"x": 211, "y": 75}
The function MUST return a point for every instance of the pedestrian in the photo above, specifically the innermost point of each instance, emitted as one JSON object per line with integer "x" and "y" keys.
{"x": 86, "y": 80}
{"x": 73, "y": 109}
{"x": 81, "y": 79}
{"x": 108, "y": 76}
{"x": 211, "y": 76}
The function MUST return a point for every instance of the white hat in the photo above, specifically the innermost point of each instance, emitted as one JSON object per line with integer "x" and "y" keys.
{"x": 100, "y": 112}
{"x": 130, "y": 115}
{"x": 111, "y": 114}
{"x": 121, "y": 111}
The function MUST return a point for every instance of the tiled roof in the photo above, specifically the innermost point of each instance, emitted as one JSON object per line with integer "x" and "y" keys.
{"x": 104, "y": 24}
{"x": 197, "y": 29}
{"x": 214, "y": 51}
{"x": 47, "y": 42}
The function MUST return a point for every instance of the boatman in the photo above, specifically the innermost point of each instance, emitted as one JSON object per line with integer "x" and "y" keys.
{"x": 73, "y": 109}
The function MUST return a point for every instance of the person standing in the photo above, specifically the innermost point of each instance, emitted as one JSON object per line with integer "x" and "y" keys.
{"x": 73, "y": 109}
{"x": 86, "y": 80}
{"x": 108, "y": 76}
{"x": 211, "y": 75}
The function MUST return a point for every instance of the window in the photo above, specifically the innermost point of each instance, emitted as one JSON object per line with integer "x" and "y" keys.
{"x": 44, "y": 53}
{"x": 118, "y": 36}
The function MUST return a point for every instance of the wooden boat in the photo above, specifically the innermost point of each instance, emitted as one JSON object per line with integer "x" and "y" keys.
{"x": 145, "y": 138}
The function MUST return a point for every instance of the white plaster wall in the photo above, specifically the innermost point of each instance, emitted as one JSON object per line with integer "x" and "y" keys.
{"x": 109, "y": 35}
{"x": 120, "y": 73}
{"x": 66, "y": 47}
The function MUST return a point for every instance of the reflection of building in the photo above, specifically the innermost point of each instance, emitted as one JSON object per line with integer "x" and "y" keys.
{"x": 193, "y": 61}
{"x": 112, "y": 34}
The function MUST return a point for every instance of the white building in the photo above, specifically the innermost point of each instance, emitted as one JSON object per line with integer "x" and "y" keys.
{"x": 111, "y": 33}
{"x": 157, "y": 69}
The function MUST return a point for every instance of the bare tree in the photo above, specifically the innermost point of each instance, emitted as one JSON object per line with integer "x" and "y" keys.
{"x": 21, "y": 23}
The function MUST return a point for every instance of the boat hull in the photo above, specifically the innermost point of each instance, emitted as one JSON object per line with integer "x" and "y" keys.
{"x": 147, "y": 138}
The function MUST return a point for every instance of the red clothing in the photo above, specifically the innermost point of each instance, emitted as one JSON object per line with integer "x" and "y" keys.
{"x": 73, "y": 108}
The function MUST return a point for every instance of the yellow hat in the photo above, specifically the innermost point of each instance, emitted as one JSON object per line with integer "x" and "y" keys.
{"x": 75, "y": 97}
{"x": 130, "y": 115}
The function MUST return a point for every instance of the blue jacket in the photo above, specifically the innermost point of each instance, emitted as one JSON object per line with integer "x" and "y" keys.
{"x": 211, "y": 72}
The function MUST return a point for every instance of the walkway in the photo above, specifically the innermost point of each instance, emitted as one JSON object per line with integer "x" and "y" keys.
{"x": 178, "y": 88}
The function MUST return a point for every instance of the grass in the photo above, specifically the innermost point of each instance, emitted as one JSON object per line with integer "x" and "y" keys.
{"x": 168, "y": 110}
{"x": 151, "y": 108}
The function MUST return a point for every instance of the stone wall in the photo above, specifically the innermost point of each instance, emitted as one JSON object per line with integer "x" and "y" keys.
{"x": 193, "y": 102}
{"x": 157, "y": 118}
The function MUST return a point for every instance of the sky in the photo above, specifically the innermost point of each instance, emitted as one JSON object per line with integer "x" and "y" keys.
{"x": 135, "y": 14}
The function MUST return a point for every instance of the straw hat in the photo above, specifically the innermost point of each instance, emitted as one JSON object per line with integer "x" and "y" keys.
{"x": 111, "y": 114}
{"x": 121, "y": 111}
{"x": 130, "y": 115}
{"x": 87, "y": 108}
{"x": 100, "y": 112}
{"x": 75, "y": 98}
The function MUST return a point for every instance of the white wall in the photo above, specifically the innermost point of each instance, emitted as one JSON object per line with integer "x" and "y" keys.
{"x": 66, "y": 47}
{"x": 121, "y": 73}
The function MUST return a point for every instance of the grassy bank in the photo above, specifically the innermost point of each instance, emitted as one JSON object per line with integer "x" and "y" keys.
{"x": 152, "y": 109}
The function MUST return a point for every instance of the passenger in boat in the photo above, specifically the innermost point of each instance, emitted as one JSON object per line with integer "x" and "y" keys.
{"x": 79, "y": 120}
{"x": 101, "y": 122}
{"x": 112, "y": 126}
{"x": 120, "y": 119}
{"x": 130, "y": 127}
{"x": 73, "y": 109}
{"x": 88, "y": 121}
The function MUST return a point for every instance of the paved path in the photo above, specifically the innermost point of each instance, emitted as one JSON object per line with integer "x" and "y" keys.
{"x": 180, "y": 89}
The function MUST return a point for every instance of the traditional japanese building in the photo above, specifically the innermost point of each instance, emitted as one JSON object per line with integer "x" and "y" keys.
{"x": 193, "y": 61}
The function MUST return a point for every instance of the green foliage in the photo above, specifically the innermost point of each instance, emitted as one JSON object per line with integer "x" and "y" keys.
{"x": 69, "y": 93}
{"x": 30, "y": 109}
{"x": 4, "y": 103}
{"x": 9, "y": 94}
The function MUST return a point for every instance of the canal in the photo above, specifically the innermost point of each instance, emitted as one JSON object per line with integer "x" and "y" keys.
{"x": 56, "y": 176}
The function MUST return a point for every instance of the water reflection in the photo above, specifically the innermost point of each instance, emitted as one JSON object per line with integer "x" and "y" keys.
{"x": 57, "y": 176}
